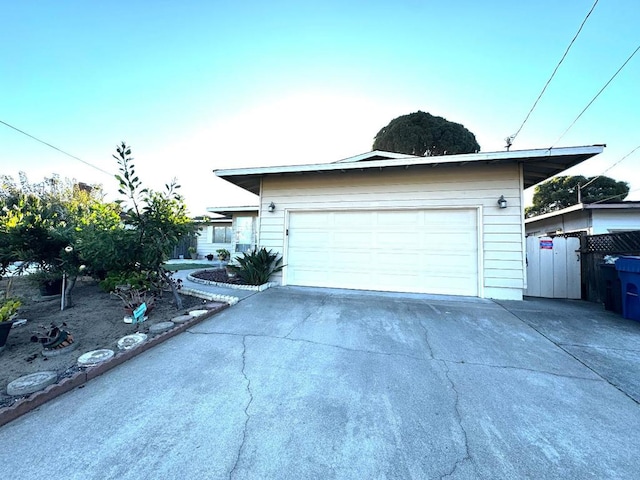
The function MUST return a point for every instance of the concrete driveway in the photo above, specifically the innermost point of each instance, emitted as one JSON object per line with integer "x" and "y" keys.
{"x": 296, "y": 383}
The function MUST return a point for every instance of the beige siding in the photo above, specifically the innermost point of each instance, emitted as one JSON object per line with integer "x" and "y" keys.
{"x": 477, "y": 186}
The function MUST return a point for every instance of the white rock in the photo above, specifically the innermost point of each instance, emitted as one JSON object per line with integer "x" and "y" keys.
{"x": 31, "y": 383}
{"x": 95, "y": 357}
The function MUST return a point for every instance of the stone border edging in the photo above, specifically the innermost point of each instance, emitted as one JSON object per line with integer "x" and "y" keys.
{"x": 212, "y": 297}
{"x": 256, "y": 288}
{"x": 36, "y": 399}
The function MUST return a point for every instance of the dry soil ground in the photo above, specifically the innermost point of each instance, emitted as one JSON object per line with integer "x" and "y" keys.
{"x": 95, "y": 321}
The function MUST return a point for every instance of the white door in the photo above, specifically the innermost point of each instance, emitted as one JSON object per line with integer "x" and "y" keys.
{"x": 423, "y": 251}
{"x": 553, "y": 267}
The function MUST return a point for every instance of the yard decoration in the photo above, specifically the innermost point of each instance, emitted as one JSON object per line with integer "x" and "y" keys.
{"x": 53, "y": 337}
{"x": 223, "y": 254}
{"x": 137, "y": 303}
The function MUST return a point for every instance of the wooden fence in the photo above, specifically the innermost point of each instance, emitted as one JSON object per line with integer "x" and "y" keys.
{"x": 593, "y": 249}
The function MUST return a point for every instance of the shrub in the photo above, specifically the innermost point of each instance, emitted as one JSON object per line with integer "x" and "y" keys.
{"x": 8, "y": 308}
{"x": 257, "y": 266}
{"x": 139, "y": 280}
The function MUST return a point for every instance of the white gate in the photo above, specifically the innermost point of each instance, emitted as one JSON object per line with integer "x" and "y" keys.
{"x": 553, "y": 267}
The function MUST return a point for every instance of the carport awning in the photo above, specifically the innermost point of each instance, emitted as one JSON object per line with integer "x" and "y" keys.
{"x": 538, "y": 165}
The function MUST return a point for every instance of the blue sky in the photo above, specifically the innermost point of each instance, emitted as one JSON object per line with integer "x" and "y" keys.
{"x": 198, "y": 85}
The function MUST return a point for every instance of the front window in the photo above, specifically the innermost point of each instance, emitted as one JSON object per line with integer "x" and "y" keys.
{"x": 222, "y": 234}
{"x": 245, "y": 229}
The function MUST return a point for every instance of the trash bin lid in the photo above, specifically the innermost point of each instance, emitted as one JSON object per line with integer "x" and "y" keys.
{"x": 628, "y": 264}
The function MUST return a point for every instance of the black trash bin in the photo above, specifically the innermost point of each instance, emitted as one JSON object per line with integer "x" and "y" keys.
{"x": 611, "y": 289}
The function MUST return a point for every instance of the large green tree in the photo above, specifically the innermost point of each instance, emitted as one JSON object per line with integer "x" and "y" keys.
{"x": 562, "y": 192}
{"x": 43, "y": 224}
{"x": 423, "y": 134}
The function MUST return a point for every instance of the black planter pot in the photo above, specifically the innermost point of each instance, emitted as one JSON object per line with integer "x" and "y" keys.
{"x": 51, "y": 287}
{"x": 5, "y": 328}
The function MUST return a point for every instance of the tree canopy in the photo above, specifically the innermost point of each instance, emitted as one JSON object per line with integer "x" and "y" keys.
{"x": 562, "y": 192}
{"x": 423, "y": 134}
{"x": 66, "y": 228}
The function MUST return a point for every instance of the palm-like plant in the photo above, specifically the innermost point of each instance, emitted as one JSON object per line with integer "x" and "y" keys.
{"x": 257, "y": 266}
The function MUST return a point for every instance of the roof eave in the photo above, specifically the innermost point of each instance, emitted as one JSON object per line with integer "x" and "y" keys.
{"x": 537, "y": 164}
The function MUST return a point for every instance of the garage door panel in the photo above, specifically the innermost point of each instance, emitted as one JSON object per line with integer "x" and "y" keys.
{"x": 352, "y": 239}
{"x": 349, "y": 219}
{"x": 303, "y": 221}
{"x": 397, "y": 218}
{"x": 425, "y": 251}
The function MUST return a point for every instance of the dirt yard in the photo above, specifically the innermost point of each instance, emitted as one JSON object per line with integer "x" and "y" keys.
{"x": 95, "y": 321}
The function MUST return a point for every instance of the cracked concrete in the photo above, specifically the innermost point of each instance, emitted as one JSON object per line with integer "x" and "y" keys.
{"x": 246, "y": 409}
{"x": 466, "y": 457}
{"x": 298, "y": 383}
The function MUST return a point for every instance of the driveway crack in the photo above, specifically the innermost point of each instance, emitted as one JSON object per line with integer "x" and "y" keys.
{"x": 458, "y": 415}
{"x": 246, "y": 408}
{"x": 426, "y": 339}
{"x": 330, "y": 345}
{"x": 323, "y": 302}
{"x": 513, "y": 367}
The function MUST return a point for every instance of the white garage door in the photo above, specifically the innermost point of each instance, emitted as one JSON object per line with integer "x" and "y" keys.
{"x": 423, "y": 251}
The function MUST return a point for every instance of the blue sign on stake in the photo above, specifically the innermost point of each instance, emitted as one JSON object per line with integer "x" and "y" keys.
{"x": 138, "y": 314}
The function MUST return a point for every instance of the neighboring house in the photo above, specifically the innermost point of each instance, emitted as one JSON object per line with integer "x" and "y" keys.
{"x": 391, "y": 222}
{"x": 234, "y": 229}
{"x": 593, "y": 219}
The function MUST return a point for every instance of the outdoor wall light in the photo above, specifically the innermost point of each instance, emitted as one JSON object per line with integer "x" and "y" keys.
{"x": 271, "y": 207}
{"x": 502, "y": 202}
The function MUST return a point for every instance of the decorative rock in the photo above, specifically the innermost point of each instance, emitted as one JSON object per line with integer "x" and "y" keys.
{"x": 197, "y": 313}
{"x": 59, "y": 351}
{"x": 181, "y": 319}
{"x": 161, "y": 327}
{"x": 95, "y": 357}
{"x": 31, "y": 383}
{"x": 131, "y": 341}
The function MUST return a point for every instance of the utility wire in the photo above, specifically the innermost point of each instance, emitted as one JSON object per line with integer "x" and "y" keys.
{"x": 615, "y": 196}
{"x": 597, "y": 95}
{"x": 511, "y": 138}
{"x": 56, "y": 148}
{"x": 605, "y": 171}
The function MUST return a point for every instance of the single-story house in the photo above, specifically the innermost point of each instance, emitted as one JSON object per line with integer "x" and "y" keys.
{"x": 231, "y": 228}
{"x": 590, "y": 218}
{"x": 384, "y": 221}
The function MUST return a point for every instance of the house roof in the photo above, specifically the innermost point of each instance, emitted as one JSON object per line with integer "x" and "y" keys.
{"x": 586, "y": 206}
{"x": 229, "y": 211}
{"x": 538, "y": 165}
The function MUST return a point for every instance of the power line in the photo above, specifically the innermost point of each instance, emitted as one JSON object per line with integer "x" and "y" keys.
{"x": 597, "y": 95}
{"x": 606, "y": 170}
{"x": 616, "y": 196}
{"x": 511, "y": 138}
{"x": 55, "y": 148}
